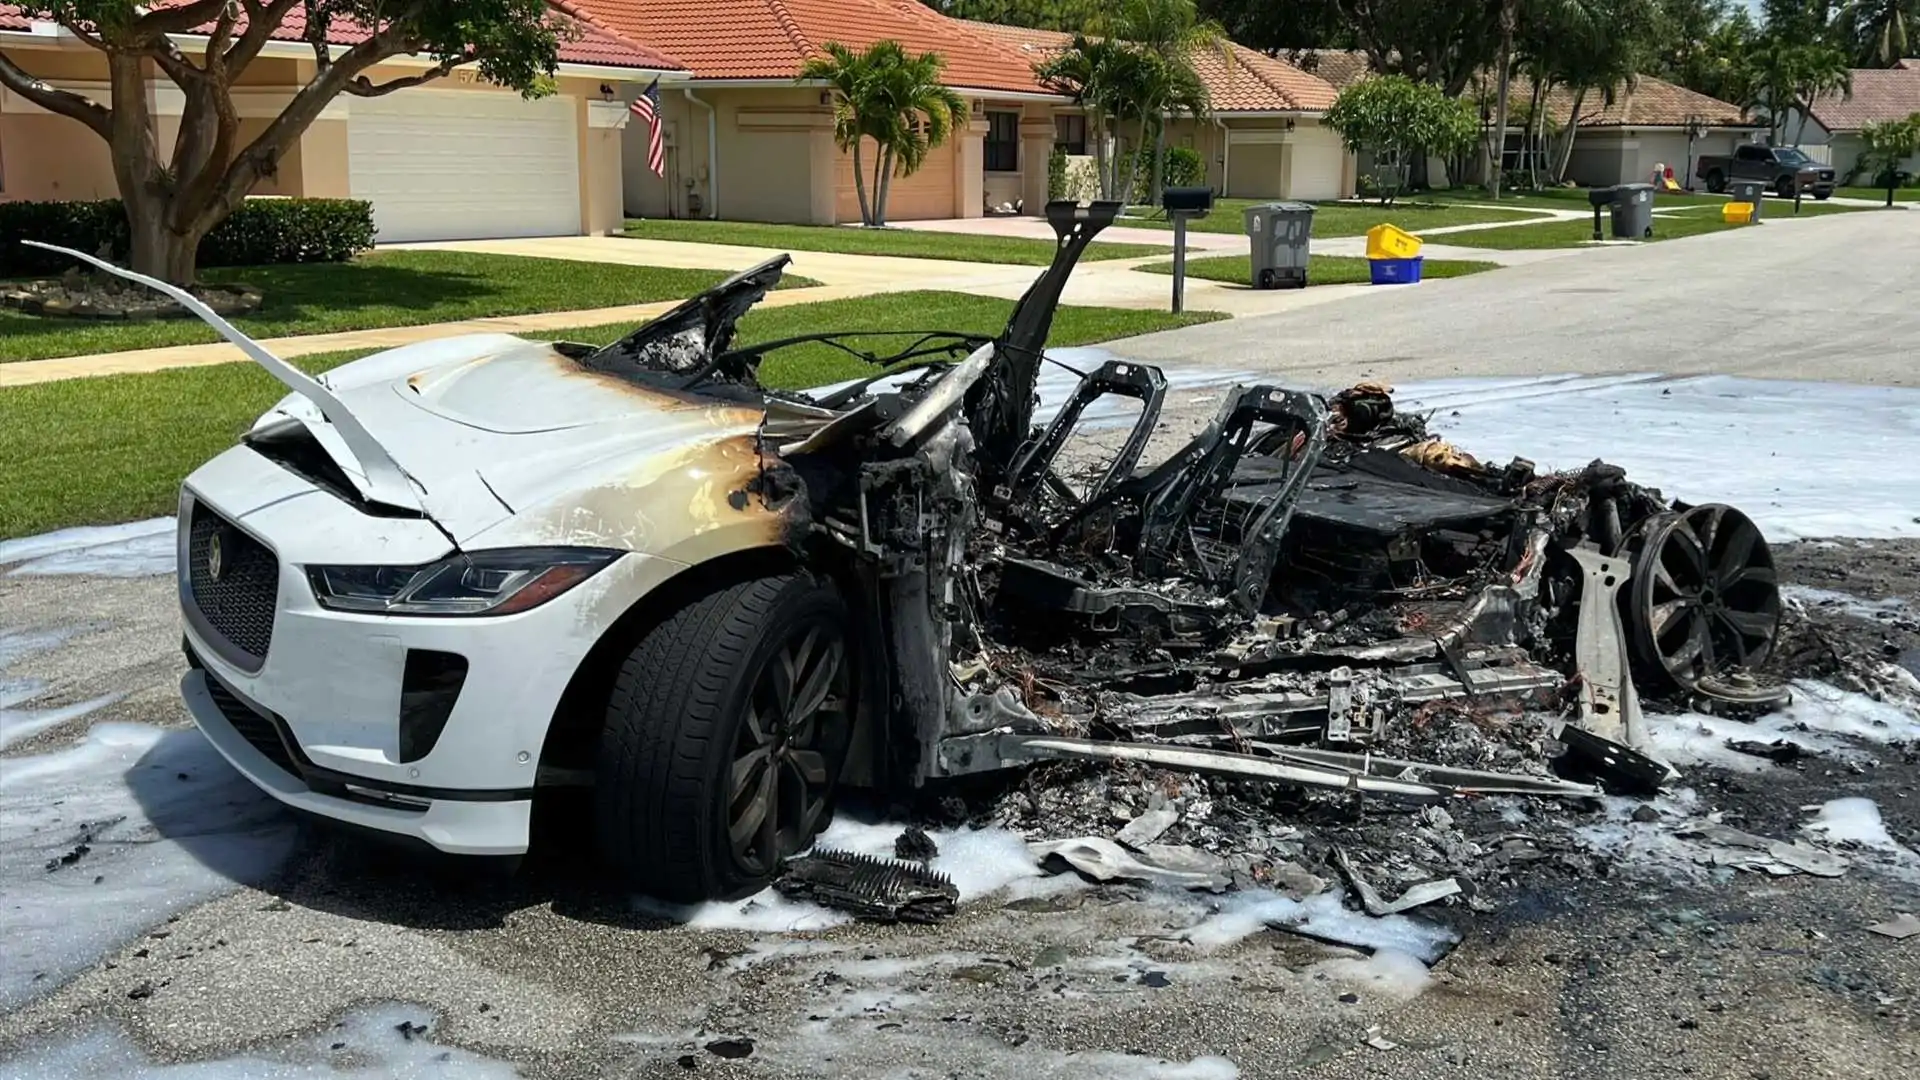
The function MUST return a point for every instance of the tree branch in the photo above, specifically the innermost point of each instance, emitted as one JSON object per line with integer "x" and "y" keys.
{"x": 264, "y": 152}
{"x": 62, "y": 102}
{"x": 316, "y": 35}
{"x": 222, "y": 33}
{"x": 363, "y": 87}
{"x": 178, "y": 20}
{"x": 262, "y": 20}
{"x": 175, "y": 63}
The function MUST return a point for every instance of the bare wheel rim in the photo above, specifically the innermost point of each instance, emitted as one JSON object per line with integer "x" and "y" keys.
{"x": 788, "y": 749}
{"x": 1704, "y": 598}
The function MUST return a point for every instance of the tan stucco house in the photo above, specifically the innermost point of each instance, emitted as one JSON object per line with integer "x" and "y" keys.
{"x": 746, "y": 142}
{"x": 1266, "y": 137}
{"x": 1650, "y": 122}
{"x": 455, "y": 159}
{"x": 1832, "y": 129}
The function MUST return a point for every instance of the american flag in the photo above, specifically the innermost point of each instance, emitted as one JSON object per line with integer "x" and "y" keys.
{"x": 647, "y": 107}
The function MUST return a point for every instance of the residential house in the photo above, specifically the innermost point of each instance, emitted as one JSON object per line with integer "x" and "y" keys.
{"x": 457, "y": 158}
{"x": 745, "y": 141}
{"x": 1649, "y": 123}
{"x": 1832, "y": 131}
{"x": 1265, "y": 137}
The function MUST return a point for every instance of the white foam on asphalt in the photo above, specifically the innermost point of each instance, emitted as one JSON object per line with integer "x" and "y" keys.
{"x": 19, "y": 724}
{"x": 375, "y": 1048}
{"x": 1854, "y": 819}
{"x": 1323, "y": 916}
{"x": 1769, "y": 447}
{"x": 979, "y": 861}
{"x": 165, "y": 822}
{"x": 136, "y": 549}
{"x": 1822, "y": 719}
{"x": 1388, "y": 972}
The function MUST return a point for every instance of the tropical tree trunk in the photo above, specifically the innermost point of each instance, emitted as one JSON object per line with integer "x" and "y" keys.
{"x": 1505, "y": 76}
{"x": 1565, "y": 156}
{"x": 884, "y": 185}
{"x": 860, "y": 182}
{"x": 1097, "y": 130}
{"x": 1159, "y": 159}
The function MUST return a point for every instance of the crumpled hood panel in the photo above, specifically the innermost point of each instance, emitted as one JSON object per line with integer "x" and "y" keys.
{"x": 503, "y": 433}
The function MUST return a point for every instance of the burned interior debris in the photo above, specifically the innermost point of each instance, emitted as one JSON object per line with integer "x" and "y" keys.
{"x": 1276, "y": 599}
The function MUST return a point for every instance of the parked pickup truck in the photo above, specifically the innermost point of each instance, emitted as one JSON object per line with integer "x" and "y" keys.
{"x": 1782, "y": 168}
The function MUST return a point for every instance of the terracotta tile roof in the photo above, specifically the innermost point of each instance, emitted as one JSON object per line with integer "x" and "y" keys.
{"x": 1893, "y": 94}
{"x": 1341, "y": 67}
{"x": 597, "y": 43}
{"x": 1253, "y": 82}
{"x": 770, "y": 39}
{"x": 1649, "y": 102}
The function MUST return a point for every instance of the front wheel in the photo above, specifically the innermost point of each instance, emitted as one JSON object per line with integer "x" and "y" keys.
{"x": 725, "y": 735}
{"x": 1716, "y": 182}
{"x": 1822, "y": 196}
{"x": 1786, "y": 189}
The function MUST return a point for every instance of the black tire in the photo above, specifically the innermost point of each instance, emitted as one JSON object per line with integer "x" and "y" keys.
{"x": 665, "y": 802}
{"x": 1786, "y": 188}
{"x": 1716, "y": 181}
{"x": 1819, "y": 196}
{"x": 1266, "y": 279}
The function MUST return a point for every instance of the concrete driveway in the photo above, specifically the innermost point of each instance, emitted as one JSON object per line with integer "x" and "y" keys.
{"x": 1830, "y": 298}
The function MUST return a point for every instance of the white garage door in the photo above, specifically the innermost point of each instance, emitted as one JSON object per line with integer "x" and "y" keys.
{"x": 1318, "y": 158}
{"x": 460, "y": 165}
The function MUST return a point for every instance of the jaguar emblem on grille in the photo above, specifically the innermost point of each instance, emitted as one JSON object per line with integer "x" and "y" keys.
{"x": 216, "y": 560}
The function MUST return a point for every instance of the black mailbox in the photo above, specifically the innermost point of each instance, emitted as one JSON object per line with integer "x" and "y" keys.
{"x": 1600, "y": 196}
{"x": 1187, "y": 200}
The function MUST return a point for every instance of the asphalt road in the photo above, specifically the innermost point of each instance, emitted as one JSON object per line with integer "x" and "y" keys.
{"x": 1832, "y": 298}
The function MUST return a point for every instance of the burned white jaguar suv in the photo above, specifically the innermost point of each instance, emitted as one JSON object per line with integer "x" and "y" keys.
{"x": 436, "y": 585}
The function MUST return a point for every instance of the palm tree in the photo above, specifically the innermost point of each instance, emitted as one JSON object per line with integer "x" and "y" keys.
{"x": 1879, "y": 28}
{"x": 1822, "y": 69}
{"x": 1172, "y": 31}
{"x": 848, "y": 74}
{"x": 1110, "y": 80}
{"x": 897, "y": 100}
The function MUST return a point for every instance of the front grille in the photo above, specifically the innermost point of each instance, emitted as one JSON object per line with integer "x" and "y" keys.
{"x": 261, "y": 732}
{"x": 237, "y": 603}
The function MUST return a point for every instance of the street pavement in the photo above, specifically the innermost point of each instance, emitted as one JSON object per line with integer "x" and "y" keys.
{"x": 1830, "y": 298}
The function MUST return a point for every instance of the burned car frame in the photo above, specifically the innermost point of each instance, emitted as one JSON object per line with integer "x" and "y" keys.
{"x": 461, "y": 574}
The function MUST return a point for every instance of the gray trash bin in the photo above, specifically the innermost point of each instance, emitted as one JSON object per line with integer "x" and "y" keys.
{"x": 1749, "y": 191}
{"x": 1633, "y": 211}
{"x": 1280, "y": 232}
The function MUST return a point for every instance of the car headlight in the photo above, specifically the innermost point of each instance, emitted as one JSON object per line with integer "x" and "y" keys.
{"x": 498, "y": 582}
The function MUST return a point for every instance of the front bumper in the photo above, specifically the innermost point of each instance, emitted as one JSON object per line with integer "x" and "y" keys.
{"x": 461, "y": 825}
{"x": 313, "y": 717}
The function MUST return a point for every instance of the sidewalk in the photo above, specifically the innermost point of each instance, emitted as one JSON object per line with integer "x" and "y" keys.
{"x": 1111, "y": 283}
{"x": 28, "y": 372}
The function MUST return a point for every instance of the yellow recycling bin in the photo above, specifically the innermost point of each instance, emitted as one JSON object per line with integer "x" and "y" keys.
{"x": 1737, "y": 213}
{"x": 1391, "y": 242}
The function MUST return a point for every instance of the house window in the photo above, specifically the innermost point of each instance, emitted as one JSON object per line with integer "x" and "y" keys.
{"x": 1003, "y": 142}
{"x": 1070, "y": 133}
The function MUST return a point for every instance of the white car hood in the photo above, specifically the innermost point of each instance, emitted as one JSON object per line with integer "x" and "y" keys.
{"x": 490, "y": 426}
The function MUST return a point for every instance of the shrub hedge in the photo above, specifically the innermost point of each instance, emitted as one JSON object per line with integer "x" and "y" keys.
{"x": 260, "y": 232}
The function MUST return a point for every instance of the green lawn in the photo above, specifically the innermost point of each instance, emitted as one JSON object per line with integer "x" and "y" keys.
{"x": 1900, "y": 195}
{"x": 1321, "y": 269}
{"x": 385, "y": 288}
{"x": 902, "y": 243}
{"x": 1344, "y": 219}
{"x": 94, "y": 451}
